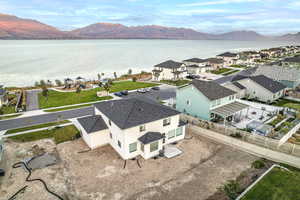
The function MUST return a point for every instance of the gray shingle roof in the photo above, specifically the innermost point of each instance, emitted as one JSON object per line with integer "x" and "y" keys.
{"x": 278, "y": 72}
{"x": 150, "y": 137}
{"x": 231, "y": 78}
{"x": 267, "y": 83}
{"x": 170, "y": 64}
{"x": 228, "y": 54}
{"x": 127, "y": 113}
{"x": 295, "y": 59}
{"x": 193, "y": 66}
{"x": 215, "y": 60}
{"x": 212, "y": 90}
{"x": 92, "y": 124}
{"x": 195, "y": 60}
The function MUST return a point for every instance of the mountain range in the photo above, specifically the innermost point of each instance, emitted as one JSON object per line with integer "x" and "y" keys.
{"x": 12, "y": 27}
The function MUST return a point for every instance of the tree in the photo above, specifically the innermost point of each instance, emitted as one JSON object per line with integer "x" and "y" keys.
{"x": 129, "y": 71}
{"x": 115, "y": 75}
{"x": 100, "y": 84}
{"x": 134, "y": 79}
{"x": 37, "y": 84}
{"x": 58, "y": 82}
{"x": 45, "y": 92}
{"x": 49, "y": 83}
{"x": 42, "y": 83}
{"x": 78, "y": 90}
{"x": 107, "y": 87}
{"x": 99, "y": 76}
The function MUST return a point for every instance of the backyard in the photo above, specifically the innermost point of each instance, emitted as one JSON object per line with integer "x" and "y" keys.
{"x": 221, "y": 71}
{"x": 278, "y": 184}
{"x": 288, "y": 103}
{"x": 56, "y": 99}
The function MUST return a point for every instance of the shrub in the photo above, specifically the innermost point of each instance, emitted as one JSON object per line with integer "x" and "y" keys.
{"x": 231, "y": 189}
{"x": 258, "y": 164}
{"x": 134, "y": 79}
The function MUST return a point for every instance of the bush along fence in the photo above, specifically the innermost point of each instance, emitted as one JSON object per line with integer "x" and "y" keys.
{"x": 259, "y": 140}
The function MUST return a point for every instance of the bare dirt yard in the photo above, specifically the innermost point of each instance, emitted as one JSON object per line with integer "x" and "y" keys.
{"x": 100, "y": 175}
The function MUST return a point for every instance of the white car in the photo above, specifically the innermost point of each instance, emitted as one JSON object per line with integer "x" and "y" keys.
{"x": 143, "y": 90}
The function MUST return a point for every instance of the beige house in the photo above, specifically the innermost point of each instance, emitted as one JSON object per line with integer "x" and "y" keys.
{"x": 229, "y": 58}
{"x": 169, "y": 70}
{"x": 196, "y": 66}
{"x": 215, "y": 63}
{"x": 132, "y": 127}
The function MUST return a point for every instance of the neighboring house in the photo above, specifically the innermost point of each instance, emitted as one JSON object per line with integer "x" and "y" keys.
{"x": 207, "y": 100}
{"x": 196, "y": 66}
{"x": 3, "y": 96}
{"x": 132, "y": 127}
{"x": 273, "y": 52}
{"x": 215, "y": 63}
{"x": 229, "y": 58}
{"x": 263, "y": 88}
{"x": 250, "y": 57}
{"x": 291, "y": 62}
{"x": 169, "y": 70}
{"x": 257, "y": 87}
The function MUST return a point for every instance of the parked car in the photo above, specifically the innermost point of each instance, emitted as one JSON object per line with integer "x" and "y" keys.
{"x": 148, "y": 89}
{"x": 118, "y": 94}
{"x": 125, "y": 92}
{"x": 155, "y": 88}
{"x": 143, "y": 90}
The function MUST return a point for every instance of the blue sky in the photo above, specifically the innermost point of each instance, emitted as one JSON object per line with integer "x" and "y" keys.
{"x": 213, "y": 16}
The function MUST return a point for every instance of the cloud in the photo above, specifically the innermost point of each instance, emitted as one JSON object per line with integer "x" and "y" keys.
{"x": 219, "y": 2}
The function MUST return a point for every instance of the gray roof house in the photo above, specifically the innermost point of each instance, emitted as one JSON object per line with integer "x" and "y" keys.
{"x": 132, "y": 127}
{"x": 169, "y": 70}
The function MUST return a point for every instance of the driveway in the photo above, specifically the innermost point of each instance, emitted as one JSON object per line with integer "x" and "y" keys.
{"x": 32, "y": 100}
{"x": 45, "y": 118}
{"x": 165, "y": 92}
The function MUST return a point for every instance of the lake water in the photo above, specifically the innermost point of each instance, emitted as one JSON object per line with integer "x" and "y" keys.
{"x": 22, "y": 62}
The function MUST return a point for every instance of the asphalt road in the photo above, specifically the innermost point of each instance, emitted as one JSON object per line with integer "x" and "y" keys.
{"x": 32, "y": 100}
{"x": 166, "y": 92}
{"x": 45, "y": 118}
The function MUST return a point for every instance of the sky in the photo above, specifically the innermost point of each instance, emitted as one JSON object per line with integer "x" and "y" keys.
{"x": 270, "y": 17}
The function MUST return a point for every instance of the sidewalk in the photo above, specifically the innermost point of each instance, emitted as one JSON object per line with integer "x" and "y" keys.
{"x": 247, "y": 147}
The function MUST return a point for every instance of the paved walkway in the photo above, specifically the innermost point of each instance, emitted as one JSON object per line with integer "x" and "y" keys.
{"x": 247, "y": 147}
{"x": 32, "y": 100}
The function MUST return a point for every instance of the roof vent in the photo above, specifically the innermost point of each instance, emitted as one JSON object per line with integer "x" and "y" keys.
{"x": 141, "y": 109}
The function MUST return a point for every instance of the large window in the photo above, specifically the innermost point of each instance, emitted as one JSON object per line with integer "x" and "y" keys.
{"x": 132, "y": 147}
{"x": 154, "y": 146}
{"x": 142, "y": 128}
{"x": 167, "y": 122}
{"x": 171, "y": 134}
{"x": 179, "y": 131}
{"x": 119, "y": 143}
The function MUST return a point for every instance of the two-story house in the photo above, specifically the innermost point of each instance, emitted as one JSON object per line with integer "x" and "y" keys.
{"x": 215, "y": 63}
{"x": 169, "y": 70}
{"x": 132, "y": 127}
{"x": 207, "y": 100}
{"x": 229, "y": 58}
{"x": 196, "y": 66}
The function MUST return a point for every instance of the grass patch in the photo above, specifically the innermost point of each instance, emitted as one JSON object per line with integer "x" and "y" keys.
{"x": 220, "y": 71}
{"x": 239, "y": 66}
{"x": 57, "y": 99}
{"x": 59, "y": 135}
{"x": 278, "y": 184}
{"x": 10, "y": 117}
{"x": 231, "y": 72}
{"x": 176, "y": 83}
{"x": 288, "y": 103}
{"x": 36, "y": 127}
{"x": 67, "y": 108}
{"x": 8, "y": 109}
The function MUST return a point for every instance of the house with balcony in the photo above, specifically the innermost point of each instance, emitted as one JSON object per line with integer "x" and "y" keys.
{"x": 169, "y": 70}
{"x": 229, "y": 58}
{"x": 133, "y": 127}
{"x": 208, "y": 100}
{"x": 196, "y": 66}
{"x": 250, "y": 57}
{"x": 215, "y": 63}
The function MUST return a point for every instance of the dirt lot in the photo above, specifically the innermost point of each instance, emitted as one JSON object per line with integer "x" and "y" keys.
{"x": 99, "y": 175}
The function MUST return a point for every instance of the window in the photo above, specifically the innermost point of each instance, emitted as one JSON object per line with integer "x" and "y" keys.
{"x": 110, "y": 134}
{"x": 119, "y": 143}
{"x": 153, "y": 146}
{"x": 166, "y": 122}
{"x": 179, "y": 131}
{"x": 171, "y": 134}
{"x": 188, "y": 102}
{"x": 142, "y": 128}
{"x": 132, "y": 147}
{"x": 142, "y": 147}
{"x": 109, "y": 122}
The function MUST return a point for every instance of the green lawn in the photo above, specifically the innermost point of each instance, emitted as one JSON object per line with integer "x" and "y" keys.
{"x": 289, "y": 104}
{"x": 239, "y": 66}
{"x": 278, "y": 184}
{"x": 10, "y": 117}
{"x": 176, "y": 83}
{"x": 8, "y": 110}
{"x": 36, "y": 127}
{"x": 231, "y": 72}
{"x": 59, "y": 135}
{"x": 67, "y": 108}
{"x": 57, "y": 99}
{"x": 220, "y": 71}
